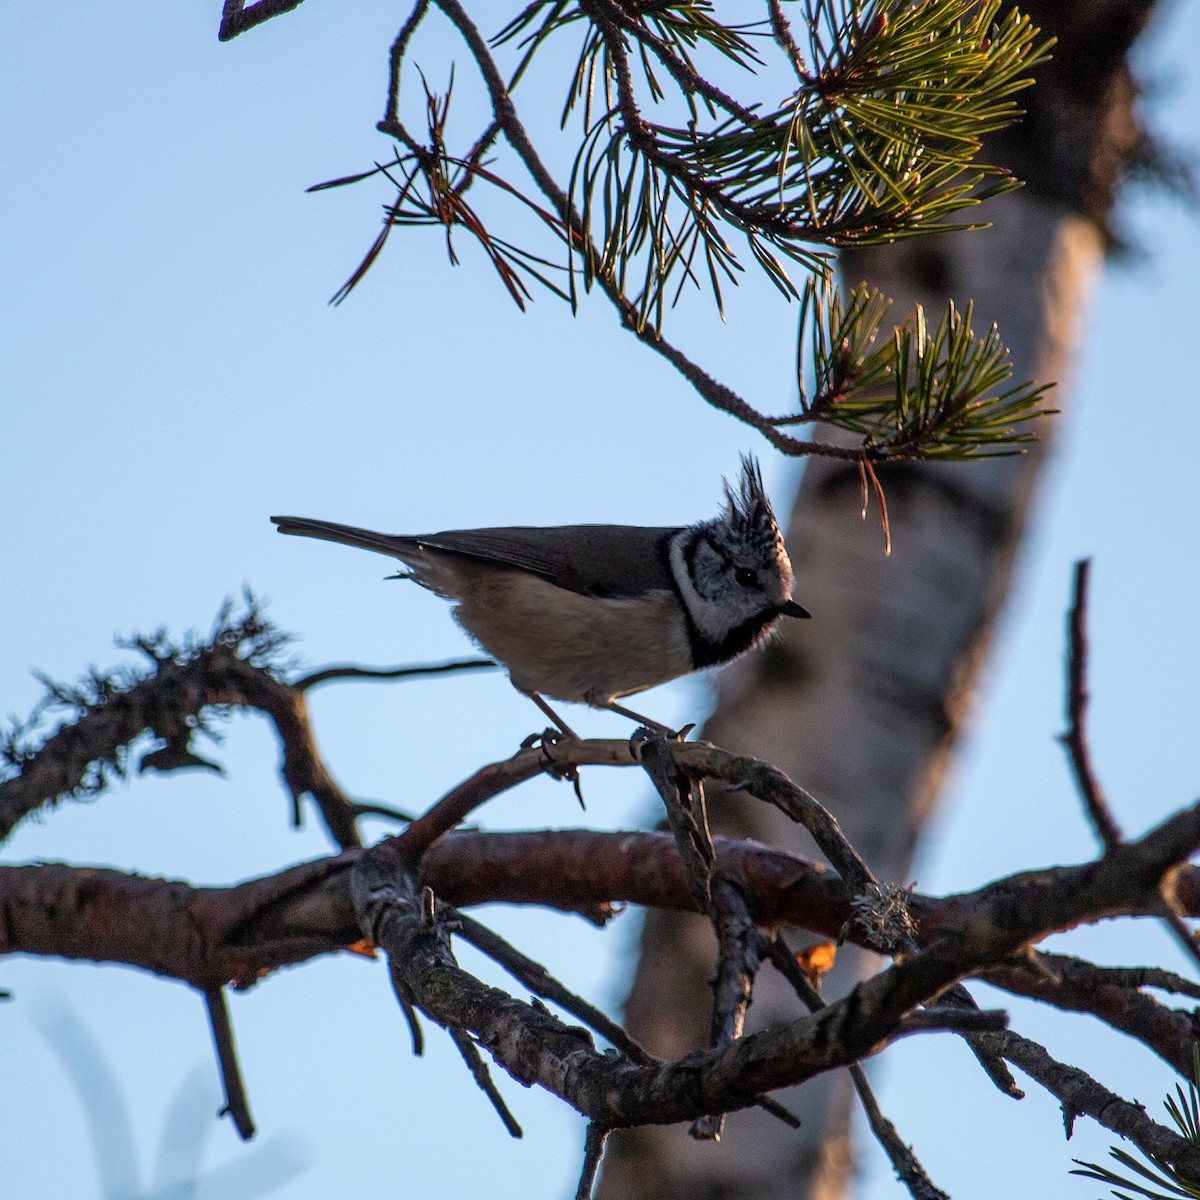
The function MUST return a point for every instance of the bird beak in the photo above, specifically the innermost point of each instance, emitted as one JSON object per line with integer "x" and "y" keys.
{"x": 792, "y": 609}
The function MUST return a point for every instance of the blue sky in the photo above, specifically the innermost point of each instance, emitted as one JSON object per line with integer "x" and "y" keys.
{"x": 172, "y": 375}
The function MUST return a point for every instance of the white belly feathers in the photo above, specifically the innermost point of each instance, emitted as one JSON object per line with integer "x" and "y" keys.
{"x": 572, "y": 647}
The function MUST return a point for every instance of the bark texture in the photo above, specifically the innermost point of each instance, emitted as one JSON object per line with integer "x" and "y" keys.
{"x": 863, "y": 705}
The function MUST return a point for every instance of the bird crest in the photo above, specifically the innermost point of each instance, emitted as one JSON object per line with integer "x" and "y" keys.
{"x": 748, "y": 512}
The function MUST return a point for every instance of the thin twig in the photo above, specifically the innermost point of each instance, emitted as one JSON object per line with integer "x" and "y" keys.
{"x": 483, "y": 1077}
{"x": 237, "y": 18}
{"x": 412, "y": 1018}
{"x": 367, "y": 808}
{"x": 1110, "y": 994}
{"x": 738, "y": 959}
{"x": 690, "y": 81}
{"x": 541, "y": 983}
{"x": 905, "y": 1162}
{"x": 971, "y": 1021}
{"x": 396, "y": 58}
{"x": 770, "y": 219}
{"x": 782, "y": 32}
{"x": 554, "y": 757}
{"x": 593, "y": 1152}
{"x": 947, "y": 1019}
{"x": 767, "y": 783}
{"x": 684, "y": 804}
{"x": 1076, "y": 743}
{"x": 1081, "y": 1095}
{"x": 778, "y": 1111}
{"x": 1124, "y": 977}
{"x": 709, "y": 389}
{"x": 327, "y": 674}
{"x": 236, "y": 1104}
{"x": 1184, "y": 937}
{"x": 1075, "y": 738}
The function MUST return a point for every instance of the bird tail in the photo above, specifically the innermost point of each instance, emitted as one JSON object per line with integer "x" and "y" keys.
{"x": 347, "y": 535}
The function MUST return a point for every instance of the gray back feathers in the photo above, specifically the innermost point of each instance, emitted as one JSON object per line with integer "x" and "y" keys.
{"x": 612, "y": 561}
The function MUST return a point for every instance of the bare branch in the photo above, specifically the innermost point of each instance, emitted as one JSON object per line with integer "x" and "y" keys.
{"x": 904, "y": 1162}
{"x": 593, "y": 1153}
{"x": 537, "y": 1048}
{"x": 391, "y": 113}
{"x": 947, "y": 1019}
{"x": 738, "y": 960}
{"x": 1112, "y": 995}
{"x": 454, "y": 808}
{"x": 683, "y": 800}
{"x": 1080, "y": 1094}
{"x": 207, "y": 936}
{"x": 237, "y": 666}
{"x": 328, "y": 674}
{"x": 237, "y": 18}
{"x": 901, "y": 1156}
{"x": 1075, "y": 739}
{"x": 541, "y": 983}
{"x": 483, "y": 1079}
{"x": 236, "y": 1104}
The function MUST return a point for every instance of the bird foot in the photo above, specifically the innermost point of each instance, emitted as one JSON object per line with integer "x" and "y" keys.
{"x": 548, "y": 736}
{"x": 651, "y": 731}
{"x": 547, "y": 739}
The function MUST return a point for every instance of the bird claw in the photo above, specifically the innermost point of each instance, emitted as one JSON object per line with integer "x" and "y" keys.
{"x": 552, "y": 767}
{"x": 548, "y": 737}
{"x": 645, "y": 733}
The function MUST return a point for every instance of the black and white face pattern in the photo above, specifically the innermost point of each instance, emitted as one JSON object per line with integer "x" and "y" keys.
{"x": 733, "y": 573}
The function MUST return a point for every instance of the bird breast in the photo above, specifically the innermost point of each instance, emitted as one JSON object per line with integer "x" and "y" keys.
{"x": 573, "y": 647}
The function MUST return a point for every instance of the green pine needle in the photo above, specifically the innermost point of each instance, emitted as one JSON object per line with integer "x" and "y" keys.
{"x": 678, "y": 185}
{"x": 913, "y": 393}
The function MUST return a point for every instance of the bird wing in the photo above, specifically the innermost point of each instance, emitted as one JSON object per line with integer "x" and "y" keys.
{"x": 613, "y": 561}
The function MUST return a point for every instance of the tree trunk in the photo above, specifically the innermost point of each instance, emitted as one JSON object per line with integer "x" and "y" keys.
{"x": 863, "y": 704}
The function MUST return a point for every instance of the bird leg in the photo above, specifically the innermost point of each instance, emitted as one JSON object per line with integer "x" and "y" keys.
{"x": 663, "y": 731}
{"x": 555, "y": 769}
{"x": 559, "y": 723}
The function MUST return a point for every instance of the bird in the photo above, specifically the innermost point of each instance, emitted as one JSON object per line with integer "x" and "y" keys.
{"x": 590, "y": 614}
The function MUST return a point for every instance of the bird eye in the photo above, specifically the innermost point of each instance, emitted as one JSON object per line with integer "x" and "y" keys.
{"x": 746, "y": 577}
